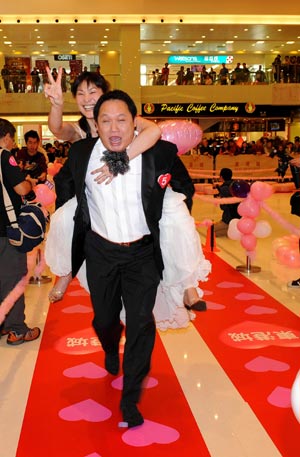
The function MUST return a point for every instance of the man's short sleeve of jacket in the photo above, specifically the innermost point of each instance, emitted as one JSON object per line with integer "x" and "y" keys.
{"x": 11, "y": 172}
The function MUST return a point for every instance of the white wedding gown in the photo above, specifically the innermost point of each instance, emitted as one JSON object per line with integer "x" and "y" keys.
{"x": 185, "y": 264}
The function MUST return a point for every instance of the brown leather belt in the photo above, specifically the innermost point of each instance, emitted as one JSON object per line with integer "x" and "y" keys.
{"x": 145, "y": 240}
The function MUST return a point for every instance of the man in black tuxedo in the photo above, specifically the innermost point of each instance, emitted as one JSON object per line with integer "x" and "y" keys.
{"x": 117, "y": 231}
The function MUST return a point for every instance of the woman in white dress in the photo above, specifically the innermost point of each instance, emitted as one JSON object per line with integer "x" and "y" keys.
{"x": 184, "y": 261}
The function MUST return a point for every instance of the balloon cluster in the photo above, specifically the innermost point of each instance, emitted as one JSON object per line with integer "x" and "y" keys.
{"x": 286, "y": 250}
{"x": 53, "y": 168}
{"x": 186, "y": 135}
{"x": 247, "y": 229}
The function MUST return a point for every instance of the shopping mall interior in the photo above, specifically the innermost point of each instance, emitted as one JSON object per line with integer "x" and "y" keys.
{"x": 226, "y": 385}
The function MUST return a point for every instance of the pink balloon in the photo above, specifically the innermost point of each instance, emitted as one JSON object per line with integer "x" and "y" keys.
{"x": 53, "y": 168}
{"x": 261, "y": 190}
{"x": 249, "y": 207}
{"x": 233, "y": 232}
{"x": 281, "y": 253}
{"x": 291, "y": 258}
{"x": 44, "y": 195}
{"x": 262, "y": 229}
{"x": 248, "y": 242}
{"x": 246, "y": 225}
{"x": 186, "y": 135}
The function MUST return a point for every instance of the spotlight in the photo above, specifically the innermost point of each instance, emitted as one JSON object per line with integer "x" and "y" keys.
{"x": 37, "y": 21}
{"x": 18, "y": 21}
{"x": 114, "y": 20}
{"x": 56, "y": 20}
{"x": 94, "y": 20}
{"x": 162, "y": 20}
{"x": 76, "y": 20}
{"x": 143, "y": 20}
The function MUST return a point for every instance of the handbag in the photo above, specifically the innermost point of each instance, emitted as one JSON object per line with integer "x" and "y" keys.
{"x": 26, "y": 231}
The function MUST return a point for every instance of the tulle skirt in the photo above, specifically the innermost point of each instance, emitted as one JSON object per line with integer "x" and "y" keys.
{"x": 185, "y": 264}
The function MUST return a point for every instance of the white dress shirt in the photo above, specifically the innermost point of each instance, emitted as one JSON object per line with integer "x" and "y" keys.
{"x": 116, "y": 209}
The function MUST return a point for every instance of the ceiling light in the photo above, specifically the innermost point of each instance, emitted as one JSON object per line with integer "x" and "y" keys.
{"x": 7, "y": 42}
{"x": 40, "y": 42}
{"x": 290, "y": 42}
{"x": 72, "y": 42}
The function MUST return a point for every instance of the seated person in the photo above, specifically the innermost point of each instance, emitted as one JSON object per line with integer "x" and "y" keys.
{"x": 229, "y": 210}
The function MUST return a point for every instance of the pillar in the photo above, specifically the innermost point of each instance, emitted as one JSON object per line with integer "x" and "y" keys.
{"x": 130, "y": 62}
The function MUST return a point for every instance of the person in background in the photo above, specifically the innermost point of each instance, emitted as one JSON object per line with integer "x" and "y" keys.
{"x": 229, "y": 210}
{"x": 180, "y": 76}
{"x": 13, "y": 264}
{"x": 223, "y": 75}
{"x": 35, "y": 80}
{"x": 32, "y": 161}
{"x": 165, "y": 71}
{"x": 260, "y": 76}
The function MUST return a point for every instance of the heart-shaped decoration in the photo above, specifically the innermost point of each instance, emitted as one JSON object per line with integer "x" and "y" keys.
{"x": 264, "y": 364}
{"x": 88, "y": 370}
{"x": 86, "y": 410}
{"x": 163, "y": 180}
{"x": 150, "y": 433}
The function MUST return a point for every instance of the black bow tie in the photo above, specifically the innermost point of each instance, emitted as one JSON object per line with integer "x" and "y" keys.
{"x": 117, "y": 162}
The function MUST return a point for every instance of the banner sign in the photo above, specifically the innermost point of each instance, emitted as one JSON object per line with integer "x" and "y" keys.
{"x": 199, "y": 60}
{"x": 229, "y": 110}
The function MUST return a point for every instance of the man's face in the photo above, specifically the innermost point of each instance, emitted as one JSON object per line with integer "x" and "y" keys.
{"x": 115, "y": 125}
{"x": 32, "y": 146}
{"x": 9, "y": 142}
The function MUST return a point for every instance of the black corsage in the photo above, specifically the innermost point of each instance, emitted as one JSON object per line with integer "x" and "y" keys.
{"x": 117, "y": 162}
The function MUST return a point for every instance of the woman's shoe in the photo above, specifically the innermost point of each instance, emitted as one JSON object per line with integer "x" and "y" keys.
{"x": 57, "y": 292}
{"x": 192, "y": 301}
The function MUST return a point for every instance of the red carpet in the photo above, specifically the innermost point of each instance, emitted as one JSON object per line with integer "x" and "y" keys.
{"x": 73, "y": 405}
{"x": 256, "y": 340}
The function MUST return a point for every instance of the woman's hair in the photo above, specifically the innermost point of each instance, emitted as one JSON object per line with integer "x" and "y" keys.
{"x": 90, "y": 78}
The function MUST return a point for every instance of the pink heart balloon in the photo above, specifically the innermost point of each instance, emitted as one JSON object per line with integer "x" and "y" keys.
{"x": 186, "y": 135}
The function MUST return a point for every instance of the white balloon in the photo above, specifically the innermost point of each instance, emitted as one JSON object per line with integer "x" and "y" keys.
{"x": 233, "y": 232}
{"x": 262, "y": 229}
{"x": 295, "y": 396}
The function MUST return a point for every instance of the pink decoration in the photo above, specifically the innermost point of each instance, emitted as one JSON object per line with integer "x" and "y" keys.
{"x": 44, "y": 195}
{"x": 152, "y": 433}
{"x": 233, "y": 232}
{"x": 289, "y": 227}
{"x": 248, "y": 242}
{"x": 249, "y": 207}
{"x": 186, "y": 135}
{"x": 246, "y": 225}
{"x": 53, "y": 168}
{"x": 262, "y": 229}
{"x": 260, "y": 190}
{"x": 263, "y": 364}
{"x": 86, "y": 410}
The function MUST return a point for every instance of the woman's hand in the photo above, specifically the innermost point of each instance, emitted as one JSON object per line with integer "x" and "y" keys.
{"x": 104, "y": 175}
{"x": 53, "y": 89}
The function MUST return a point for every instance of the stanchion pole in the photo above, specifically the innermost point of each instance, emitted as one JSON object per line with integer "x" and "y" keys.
{"x": 248, "y": 268}
{"x": 39, "y": 279}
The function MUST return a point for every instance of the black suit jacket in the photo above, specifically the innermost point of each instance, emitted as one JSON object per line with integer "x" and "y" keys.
{"x": 157, "y": 161}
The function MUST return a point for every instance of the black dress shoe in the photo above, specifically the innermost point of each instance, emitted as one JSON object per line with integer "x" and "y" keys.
{"x": 112, "y": 362}
{"x": 131, "y": 415}
{"x": 199, "y": 305}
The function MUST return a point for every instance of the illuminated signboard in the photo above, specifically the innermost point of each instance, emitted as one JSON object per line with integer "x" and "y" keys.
{"x": 64, "y": 57}
{"x": 200, "y": 60}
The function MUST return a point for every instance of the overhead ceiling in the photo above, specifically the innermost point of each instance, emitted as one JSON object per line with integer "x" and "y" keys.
{"x": 46, "y": 39}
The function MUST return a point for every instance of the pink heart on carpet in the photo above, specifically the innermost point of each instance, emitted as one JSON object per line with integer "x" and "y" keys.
{"x": 247, "y": 296}
{"x": 87, "y": 370}
{"x": 79, "y": 293}
{"x": 280, "y": 397}
{"x": 150, "y": 433}
{"x": 207, "y": 292}
{"x": 213, "y": 305}
{"x": 260, "y": 310}
{"x": 86, "y": 410}
{"x": 263, "y": 364}
{"x": 229, "y": 285}
{"x": 94, "y": 454}
{"x": 148, "y": 383}
{"x": 80, "y": 309}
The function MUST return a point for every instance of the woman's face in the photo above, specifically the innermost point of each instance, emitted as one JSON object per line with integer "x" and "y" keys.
{"x": 86, "y": 98}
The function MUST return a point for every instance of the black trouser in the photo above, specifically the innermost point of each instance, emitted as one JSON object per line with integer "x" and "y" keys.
{"x": 127, "y": 273}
